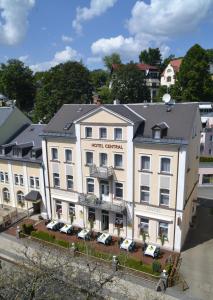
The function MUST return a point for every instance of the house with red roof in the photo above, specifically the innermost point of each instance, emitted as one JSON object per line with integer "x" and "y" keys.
{"x": 168, "y": 77}
{"x": 152, "y": 77}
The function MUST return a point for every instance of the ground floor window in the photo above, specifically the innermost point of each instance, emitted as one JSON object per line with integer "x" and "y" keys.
{"x": 144, "y": 225}
{"x": 58, "y": 207}
{"x": 91, "y": 214}
{"x": 207, "y": 179}
{"x": 72, "y": 209}
{"x": 119, "y": 220}
{"x": 163, "y": 229}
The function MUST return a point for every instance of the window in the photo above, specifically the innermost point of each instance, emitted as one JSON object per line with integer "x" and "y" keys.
{"x": 145, "y": 163}
{"x": 91, "y": 213}
{"x": 89, "y": 158}
{"x": 210, "y": 151}
{"x": 103, "y": 159}
{"x": 119, "y": 220}
{"x": 118, "y": 134}
{"x": 169, "y": 79}
{"x": 54, "y": 153}
{"x": 1, "y": 151}
{"x": 103, "y": 133}
{"x": 164, "y": 197}
{"x": 6, "y": 195}
{"x": 145, "y": 193}
{"x": 163, "y": 229}
{"x": 58, "y": 207}
{"x": 72, "y": 209}
{"x": 20, "y": 196}
{"x": 165, "y": 165}
{"x": 144, "y": 225}
{"x": 16, "y": 152}
{"x": 118, "y": 190}
{"x": 211, "y": 138}
{"x": 69, "y": 182}
{"x": 68, "y": 155}
{"x": 90, "y": 185}
{"x": 33, "y": 154}
{"x": 207, "y": 179}
{"x": 118, "y": 160}
{"x": 56, "y": 180}
{"x": 21, "y": 178}
{"x": 32, "y": 182}
{"x": 2, "y": 176}
{"x": 6, "y": 177}
{"x": 156, "y": 133}
{"x": 37, "y": 185}
{"x": 88, "y": 132}
{"x": 16, "y": 179}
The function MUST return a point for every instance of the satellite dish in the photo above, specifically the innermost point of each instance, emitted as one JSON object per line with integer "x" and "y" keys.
{"x": 166, "y": 98}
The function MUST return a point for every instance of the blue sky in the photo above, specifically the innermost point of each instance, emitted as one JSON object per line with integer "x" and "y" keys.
{"x": 43, "y": 33}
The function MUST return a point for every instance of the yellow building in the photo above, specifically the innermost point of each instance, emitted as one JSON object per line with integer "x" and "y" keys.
{"x": 21, "y": 171}
{"x": 132, "y": 167}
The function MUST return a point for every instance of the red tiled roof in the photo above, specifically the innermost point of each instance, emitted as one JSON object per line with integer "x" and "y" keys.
{"x": 175, "y": 63}
{"x": 142, "y": 67}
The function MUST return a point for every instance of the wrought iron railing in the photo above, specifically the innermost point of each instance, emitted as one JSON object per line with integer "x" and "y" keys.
{"x": 101, "y": 172}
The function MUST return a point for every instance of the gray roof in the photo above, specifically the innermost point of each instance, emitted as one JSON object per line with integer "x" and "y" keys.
{"x": 179, "y": 119}
{"x": 33, "y": 196}
{"x": 5, "y": 112}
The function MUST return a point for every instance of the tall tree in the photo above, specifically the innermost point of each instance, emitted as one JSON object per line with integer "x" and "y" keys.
{"x": 16, "y": 82}
{"x": 65, "y": 83}
{"x": 109, "y": 60}
{"x": 129, "y": 84}
{"x": 194, "y": 80}
{"x": 166, "y": 61}
{"x": 152, "y": 56}
{"x": 210, "y": 55}
{"x": 98, "y": 78}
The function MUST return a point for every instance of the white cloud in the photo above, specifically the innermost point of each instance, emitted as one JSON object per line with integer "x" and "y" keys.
{"x": 97, "y": 8}
{"x": 66, "y": 38}
{"x": 60, "y": 57}
{"x": 153, "y": 25}
{"x": 14, "y": 22}
{"x": 24, "y": 58}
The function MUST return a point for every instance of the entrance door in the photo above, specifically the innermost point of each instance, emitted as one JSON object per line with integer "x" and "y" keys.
{"x": 105, "y": 221}
{"x": 104, "y": 186}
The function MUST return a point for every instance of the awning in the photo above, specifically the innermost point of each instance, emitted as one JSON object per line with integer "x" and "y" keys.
{"x": 33, "y": 196}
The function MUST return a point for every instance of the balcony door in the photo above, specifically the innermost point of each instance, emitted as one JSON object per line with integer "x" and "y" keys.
{"x": 104, "y": 190}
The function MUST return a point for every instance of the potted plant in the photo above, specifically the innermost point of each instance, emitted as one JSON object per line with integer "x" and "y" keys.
{"x": 144, "y": 236}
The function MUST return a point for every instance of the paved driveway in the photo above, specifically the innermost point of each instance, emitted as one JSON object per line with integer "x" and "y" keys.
{"x": 197, "y": 264}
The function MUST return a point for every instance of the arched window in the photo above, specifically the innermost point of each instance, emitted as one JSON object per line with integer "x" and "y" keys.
{"x": 20, "y": 197}
{"x": 6, "y": 195}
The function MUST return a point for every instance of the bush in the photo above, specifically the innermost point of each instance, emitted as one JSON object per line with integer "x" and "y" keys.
{"x": 168, "y": 268}
{"x": 156, "y": 267}
{"x": 27, "y": 228}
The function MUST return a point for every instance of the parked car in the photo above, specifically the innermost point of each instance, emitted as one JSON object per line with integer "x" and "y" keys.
{"x": 55, "y": 225}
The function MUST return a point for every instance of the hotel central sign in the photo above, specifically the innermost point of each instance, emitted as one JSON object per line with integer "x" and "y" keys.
{"x": 108, "y": 146}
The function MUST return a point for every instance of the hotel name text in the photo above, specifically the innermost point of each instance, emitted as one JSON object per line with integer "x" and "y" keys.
{"x": 107, "y": 146}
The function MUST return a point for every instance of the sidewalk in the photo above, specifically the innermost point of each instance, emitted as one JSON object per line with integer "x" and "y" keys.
{"x": 138, "y": 288}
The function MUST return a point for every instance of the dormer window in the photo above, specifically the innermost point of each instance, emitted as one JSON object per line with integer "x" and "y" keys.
{"x": 33, "y": 154}
{"x": 1, "y": 151}
{"x": 16, "y": 152}
{"x": 159, "y": 131}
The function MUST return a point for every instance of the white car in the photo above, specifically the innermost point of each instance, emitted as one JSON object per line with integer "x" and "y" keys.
{"x": 152, "y": 250}
{"x": 54, "y": 225}
{"x": 104, "y": 238}
{"x": 128, "y": 245}
{"x": 67, "y": 228}
{"x": 83, "y": 234}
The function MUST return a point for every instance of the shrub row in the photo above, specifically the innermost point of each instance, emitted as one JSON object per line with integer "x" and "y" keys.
{"x": 206, "y": 159}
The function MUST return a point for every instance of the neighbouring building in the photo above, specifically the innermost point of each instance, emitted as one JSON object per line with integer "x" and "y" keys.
{"x": 168, "y": 77}
{"x": 22, "y": 182}
{"x": 126, "y": 167}
{"x": 151, "y": 75}
{"x": 206, "y": 141}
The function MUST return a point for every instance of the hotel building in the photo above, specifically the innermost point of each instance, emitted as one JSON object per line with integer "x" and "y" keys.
{"x": 130, "y": 167}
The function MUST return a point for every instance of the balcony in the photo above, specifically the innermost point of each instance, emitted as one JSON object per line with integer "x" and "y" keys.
{"x": 101, "y": 172}
{"x": 94, "y": 202}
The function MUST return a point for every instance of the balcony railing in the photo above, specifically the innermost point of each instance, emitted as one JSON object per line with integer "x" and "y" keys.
{"x": 95, "y": 202}
{"x": 101, "y": 172}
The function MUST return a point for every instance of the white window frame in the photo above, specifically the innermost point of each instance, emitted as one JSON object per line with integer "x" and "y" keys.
{"x": 119, "y": 220}
{"x": 92, "y": 179}
{"x": 116, "y": 166}
{"x": 143, "y": 222}
{"x": 32, "y": 182}
{"x": 102, "y": 138}
{"x": 70, "y": 180}
{"x": 5, "y": 191}
{"x": 144, "y": 191}
{"x": 54, "y": 185}
{"x": 140, "y": 163}
{"x": 160, "y": 193}
{"x": 100, "y": 162}
{"x": 122, "y": 188}
{"x": 37, "y": 183}
{"x": 86, "y": 162}
{"x": 71, "y": 208}
{"x": 20, "y": 196}
{"x": 165, "y": 222}
{"x": 52, "y": 149}
{"x": 65, "y": 156}
{"x": 164, "y": 172}
{"x": 58, "y": 203}
{"x": 86, "y": 136}
{"x": 115, "y": 139}
{"x": 6, "y": 177}
{"x": 2, "y": 176}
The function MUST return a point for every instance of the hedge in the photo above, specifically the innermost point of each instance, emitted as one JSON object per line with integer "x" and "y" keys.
{"x": 206, "y": 159}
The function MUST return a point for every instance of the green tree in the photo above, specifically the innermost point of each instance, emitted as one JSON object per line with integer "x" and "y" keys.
{"x": 152, "y": 56}
{"x": 210, "y": 55}
{"x": 64, "y": 83}
{"x": 193, "y": 80}
{"x": 16, "y": 82}
{"x": 105, "y": 94}
{"x": 128, "y": 85}
{"x": 109, "y": 60}
{"x": 98, "y": 78}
